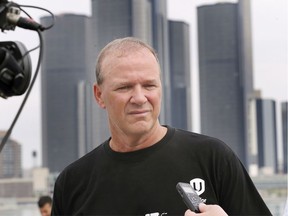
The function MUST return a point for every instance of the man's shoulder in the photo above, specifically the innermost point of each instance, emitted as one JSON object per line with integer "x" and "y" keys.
{"x": 88, "y": 157}
{"x": 199, "y": 141}
{"x": 197, "y": 137}
{"x": 84, "y": 164}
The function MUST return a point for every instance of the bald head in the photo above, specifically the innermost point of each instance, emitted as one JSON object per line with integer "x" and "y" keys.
{"x": 120, "y": 48}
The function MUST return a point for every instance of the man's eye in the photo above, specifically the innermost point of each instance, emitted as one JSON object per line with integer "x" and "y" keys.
{"x": 150, "y": 86}
{"x": 123, "y": 88}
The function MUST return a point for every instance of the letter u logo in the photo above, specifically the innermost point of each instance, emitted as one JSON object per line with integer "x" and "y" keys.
{"x": 198, "y": 185}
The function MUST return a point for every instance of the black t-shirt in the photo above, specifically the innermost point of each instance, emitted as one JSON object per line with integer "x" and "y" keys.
{"x": 143, "y": 182}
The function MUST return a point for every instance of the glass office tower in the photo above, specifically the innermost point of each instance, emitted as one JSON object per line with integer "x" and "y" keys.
{"x": 65, "y": 98}
{"x": 225, "y": 80}
{"x": 266, "y": 136}
{"x": 179, "y": 43}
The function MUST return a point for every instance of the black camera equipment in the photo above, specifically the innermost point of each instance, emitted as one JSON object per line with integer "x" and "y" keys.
{"x": 15, "y": 69}
{"x": 15, "y": 62}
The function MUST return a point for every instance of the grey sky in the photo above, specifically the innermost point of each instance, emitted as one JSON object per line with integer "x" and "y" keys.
{"x": 269, "y": 28}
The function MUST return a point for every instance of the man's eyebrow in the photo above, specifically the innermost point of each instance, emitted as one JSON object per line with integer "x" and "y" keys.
{"x": 124, "y": 82}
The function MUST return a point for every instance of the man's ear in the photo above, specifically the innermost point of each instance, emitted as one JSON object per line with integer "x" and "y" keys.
{"x": 98, "y": 95}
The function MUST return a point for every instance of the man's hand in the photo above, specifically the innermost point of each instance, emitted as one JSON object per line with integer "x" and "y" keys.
{"x": 206, "y": 210}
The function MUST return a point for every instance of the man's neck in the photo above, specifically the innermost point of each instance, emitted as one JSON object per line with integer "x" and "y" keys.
{"x": 124, "y": 143}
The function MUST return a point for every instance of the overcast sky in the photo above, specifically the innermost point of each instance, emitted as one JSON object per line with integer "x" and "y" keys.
{"x": 269, "y": 29}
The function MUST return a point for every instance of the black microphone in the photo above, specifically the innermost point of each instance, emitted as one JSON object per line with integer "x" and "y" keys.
{"x": 13, "y": 17}
{"x": 29, "y": 24}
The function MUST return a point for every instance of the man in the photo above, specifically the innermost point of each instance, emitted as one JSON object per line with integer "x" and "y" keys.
{"x": 45, "y": 205}
{"x": 136, "y": 170}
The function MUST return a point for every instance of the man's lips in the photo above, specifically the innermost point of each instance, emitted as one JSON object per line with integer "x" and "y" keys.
{"x": 138, "y": 112}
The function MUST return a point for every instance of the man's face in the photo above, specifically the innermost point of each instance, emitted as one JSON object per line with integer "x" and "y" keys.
{"x": 46, "y": 210}
{"x": 131, "y": 92}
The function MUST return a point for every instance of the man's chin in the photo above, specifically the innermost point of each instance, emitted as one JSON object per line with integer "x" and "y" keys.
{"x": 140, "y": 127}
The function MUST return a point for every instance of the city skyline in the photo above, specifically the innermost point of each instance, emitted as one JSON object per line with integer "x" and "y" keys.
{"x": 29, "y": 137}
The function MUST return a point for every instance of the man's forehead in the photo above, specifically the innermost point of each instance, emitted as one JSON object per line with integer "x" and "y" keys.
{"x": 127, "y": 52}
{"x": 115, "y": 58}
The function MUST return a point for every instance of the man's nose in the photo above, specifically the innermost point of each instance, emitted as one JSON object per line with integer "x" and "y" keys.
{"x": 138, "y": 96}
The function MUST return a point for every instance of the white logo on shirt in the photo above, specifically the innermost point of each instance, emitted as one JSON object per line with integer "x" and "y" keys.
{"x": 198, "y": 185}
{"x": 155, "y": 214}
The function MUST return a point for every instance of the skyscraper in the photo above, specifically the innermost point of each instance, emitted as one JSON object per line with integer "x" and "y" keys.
{"x": 284, "y": 120}
{"x": 225, "y": 74}
{"x": 266, "y": 135}
{"x": 161, "y": 45}
{"x": 66, "y": 102}
{"x": 179, "y": 39}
